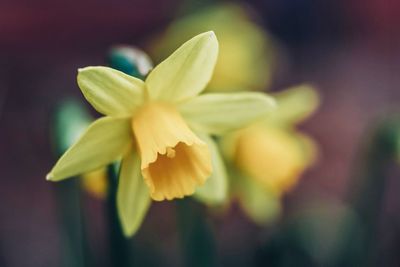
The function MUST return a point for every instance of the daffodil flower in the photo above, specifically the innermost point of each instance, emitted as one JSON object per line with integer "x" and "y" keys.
{"x": 271, "y": 155}
{"x": 160, "y": 128}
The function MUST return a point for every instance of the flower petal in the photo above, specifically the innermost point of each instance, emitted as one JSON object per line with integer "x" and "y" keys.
{"x": 308, "y": 147}
{"x": 103, "y": 142}
{"x": 261, "y": 206}
{"x": 133, "y": 199}
{"x": 295, "y": 104}
{"x": 219, "y": 113}
{"x": 110, "y": 91}
{"x": 187, "y": 71}
{"x": 215, "y": 189}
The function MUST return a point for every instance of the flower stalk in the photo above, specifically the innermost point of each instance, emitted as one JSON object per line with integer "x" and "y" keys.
{"x": 196, "y": 234}
{"x": 69, "y": 118}
{"x": 370, "y": 184}
{"x": 121, "y": 252}
{"x": 133, "y": 62}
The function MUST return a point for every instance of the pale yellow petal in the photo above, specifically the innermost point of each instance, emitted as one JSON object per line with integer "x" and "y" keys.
{"x": 104, "y": 141}
{"x": 133, "y": 199}
{"x": 308, "y": 147}
{"x": 219, "y": 113}
{"x": 186, "y": 72}
{"x": 215, "y": 189}
{"x": 295, "y": 104}
{"x": 110, "y": 91}
{"x": 174, "y": 159}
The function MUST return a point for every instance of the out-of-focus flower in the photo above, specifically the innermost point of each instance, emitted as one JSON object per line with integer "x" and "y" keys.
{"x": 95, "y": 183}
{"x": 160, "y": 128}
{"x": 246, "y": 54}
{"x": 270, "y": 156}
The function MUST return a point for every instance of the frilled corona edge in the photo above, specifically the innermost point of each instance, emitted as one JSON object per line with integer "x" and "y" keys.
{"x": 174, "y": 160}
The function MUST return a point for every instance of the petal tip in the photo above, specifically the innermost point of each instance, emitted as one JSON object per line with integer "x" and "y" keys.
{"x": 207, "y": 36}
{"x": 88, "y": 68}
{"x": 212, "y": 37}
{"x": 49, "y": 177}
{"x": 211, "y": 34}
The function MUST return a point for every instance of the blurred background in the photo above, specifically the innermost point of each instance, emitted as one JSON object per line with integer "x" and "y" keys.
{"x": 345, "y": 210}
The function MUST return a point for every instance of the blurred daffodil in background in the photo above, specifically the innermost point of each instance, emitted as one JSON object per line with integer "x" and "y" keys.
{"x": 246, "y": 54}
{"x": 268, "y": 157}
{"x": 159, "y": 127}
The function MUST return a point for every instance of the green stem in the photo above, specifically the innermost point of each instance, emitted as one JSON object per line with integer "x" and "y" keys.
{"x": 120, "y": 248}
{"x": 70, "y": 214}
{"x": 68, "y": 118}
{"x": 369, "y": 189}
{"x": 197, "y": 239}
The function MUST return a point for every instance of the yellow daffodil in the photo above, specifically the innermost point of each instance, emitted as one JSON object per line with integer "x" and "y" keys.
{"x": 160, "y": 128}
{"x": 247, "y": 52}
{"x": 271, "y": 155}
{"x": 95, "y": 183}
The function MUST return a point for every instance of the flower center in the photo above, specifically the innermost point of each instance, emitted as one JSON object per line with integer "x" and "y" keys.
{"x": 173, "y": 159}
